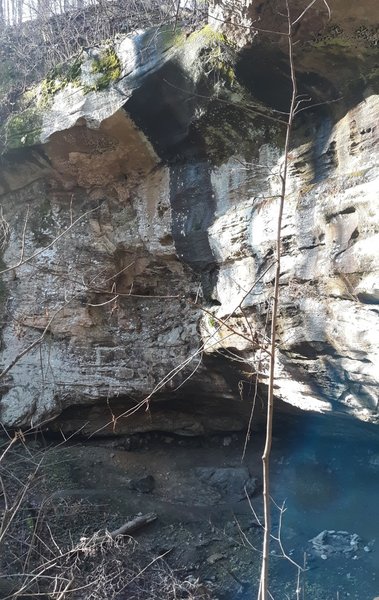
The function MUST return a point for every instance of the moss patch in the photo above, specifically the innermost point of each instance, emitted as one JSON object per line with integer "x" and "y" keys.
{"x": 218, "y": 55}
{"x": 211, "y": 321}
{"x": 108, "y": 68}
{"x": 338, "y": 42}
{"x": 6, "y": 77}
{"x": 225, "y": 128}
{"x": 22, "y": 129}
{"x": 166, "y": 37}
{"x": 211, "y": 35}
{"x": 335, "y": 37}
{"x": 221, "y": 63}
{"x": 59, "y": 77}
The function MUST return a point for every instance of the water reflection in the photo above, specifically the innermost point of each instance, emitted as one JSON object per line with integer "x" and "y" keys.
{"x": 326, "y": 470}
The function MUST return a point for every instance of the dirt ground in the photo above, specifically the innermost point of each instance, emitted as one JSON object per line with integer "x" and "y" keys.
{"x": 205, "y": 542}
{"x": 203, "y": 530}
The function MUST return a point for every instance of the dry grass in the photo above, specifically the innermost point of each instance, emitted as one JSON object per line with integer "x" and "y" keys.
{"x": 4, "y": 230}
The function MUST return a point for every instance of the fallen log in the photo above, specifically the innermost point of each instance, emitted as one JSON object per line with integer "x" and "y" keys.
{"x": 134, "y": 525}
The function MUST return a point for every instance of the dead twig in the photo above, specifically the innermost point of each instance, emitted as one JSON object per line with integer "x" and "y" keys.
{"x": 134, "y": 525}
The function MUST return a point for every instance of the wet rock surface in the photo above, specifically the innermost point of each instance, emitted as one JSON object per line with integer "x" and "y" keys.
{"x": 144, "y": 484}
{"x": 331, "y": 542}
{"x": 232, "y": 483}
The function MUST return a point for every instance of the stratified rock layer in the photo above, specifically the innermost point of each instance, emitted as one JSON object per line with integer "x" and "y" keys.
{"x": 328, "y": 322}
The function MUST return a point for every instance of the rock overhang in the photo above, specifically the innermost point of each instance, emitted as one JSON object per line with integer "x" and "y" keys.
{"x": 184, "y": 212}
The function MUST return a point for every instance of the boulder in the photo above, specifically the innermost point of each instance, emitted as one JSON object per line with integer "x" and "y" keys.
{"x": 328, "y": 543}
{"x": 233, "y": 483}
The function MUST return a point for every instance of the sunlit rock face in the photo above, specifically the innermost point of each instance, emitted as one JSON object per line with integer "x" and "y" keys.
{"x": 328, "y": 319}
{"x": 162, "y": 289}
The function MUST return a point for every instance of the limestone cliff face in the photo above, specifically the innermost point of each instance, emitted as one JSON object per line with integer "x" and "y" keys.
{"x": 174, "y": 180}
{"x": 328, "y": 327}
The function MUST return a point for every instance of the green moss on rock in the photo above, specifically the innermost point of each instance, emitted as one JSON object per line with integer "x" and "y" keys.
{"x": 22, "y": 129}
{"x": 108, "y": 68}
{"x": 218, "y": 54}
{"x": 58, "y": 78}
{"x": 208, "y": 34}
{"x": 171, "y": 37}
{"x": 6, "y": 77}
